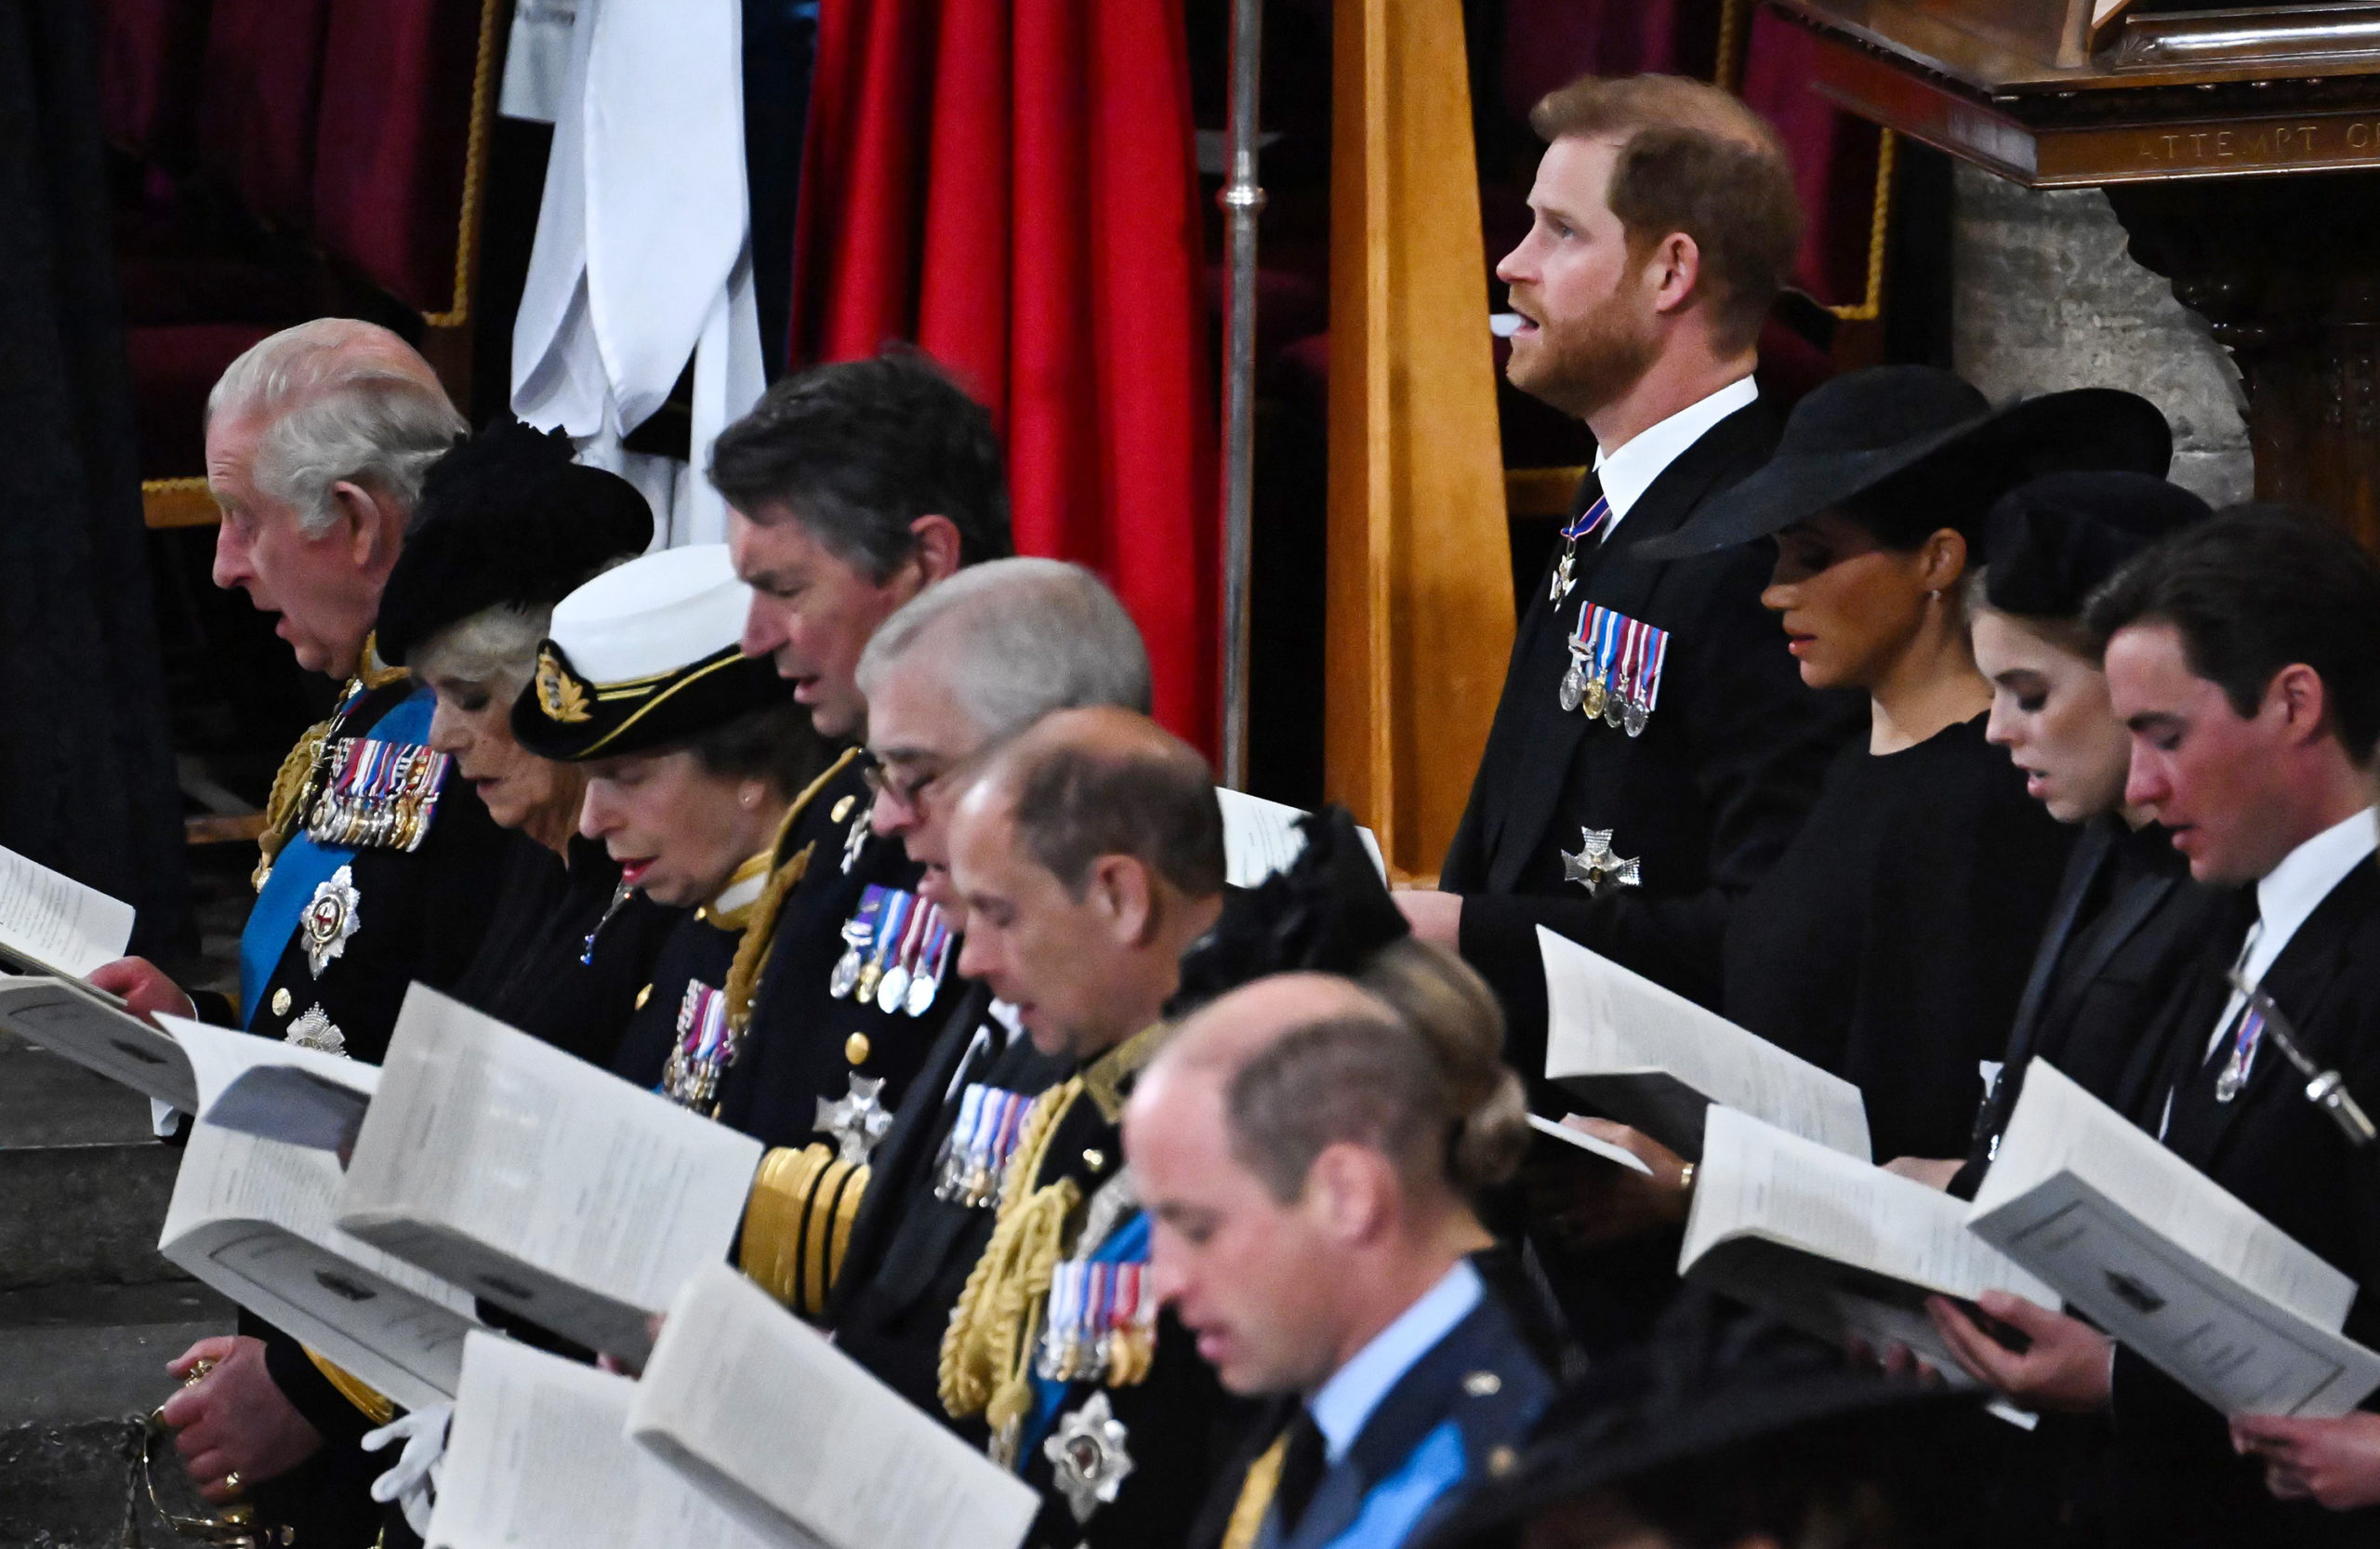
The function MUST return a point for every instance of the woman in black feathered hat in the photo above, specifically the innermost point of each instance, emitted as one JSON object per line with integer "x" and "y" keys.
{"x": 508, "y": 526}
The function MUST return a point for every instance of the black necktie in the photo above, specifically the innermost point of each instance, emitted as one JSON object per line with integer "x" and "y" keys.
{"x": 1301, "y": 1470}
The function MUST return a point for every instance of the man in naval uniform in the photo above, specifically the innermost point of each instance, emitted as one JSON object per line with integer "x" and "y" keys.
{"x": 1654, "y": 749}
{"x": 378, "y": 868}
{"x": 956, "y": 673}
{"x": 1310, "y": 1153}
{"x": 853, "y": 488}
{"x": 1089, "y": 854}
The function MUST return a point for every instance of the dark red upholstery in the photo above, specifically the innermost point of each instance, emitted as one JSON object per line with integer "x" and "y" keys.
{"x": 258, "y": 109}
{"x": 174, "y": 367}
{"x": 395, "y": 124}
{"x": 150, "y": 52}
{"x": 167, "y": 286}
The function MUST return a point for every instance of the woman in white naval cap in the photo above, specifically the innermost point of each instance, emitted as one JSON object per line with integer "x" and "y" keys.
{"x": 700, "y": 773}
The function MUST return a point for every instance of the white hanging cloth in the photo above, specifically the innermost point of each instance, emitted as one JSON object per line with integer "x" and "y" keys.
{"x": 643, "y": 251}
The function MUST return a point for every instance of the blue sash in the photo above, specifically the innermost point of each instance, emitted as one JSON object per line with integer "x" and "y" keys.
{"x": 304, "y": 865}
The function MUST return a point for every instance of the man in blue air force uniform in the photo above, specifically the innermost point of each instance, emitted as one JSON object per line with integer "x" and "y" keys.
{"x": 378, "y": 868}
{"x": 1308, "y": 1147}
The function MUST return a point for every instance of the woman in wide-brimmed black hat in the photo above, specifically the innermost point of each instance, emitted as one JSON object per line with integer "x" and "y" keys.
{"x": 1889, "y": 941}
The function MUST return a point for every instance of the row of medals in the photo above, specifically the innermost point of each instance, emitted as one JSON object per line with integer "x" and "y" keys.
{"x": 1093, "y": 1335}
{"x": 901, "y": 986}
{"x": 1610, "y": 701}
{"x": 390, "y": 807}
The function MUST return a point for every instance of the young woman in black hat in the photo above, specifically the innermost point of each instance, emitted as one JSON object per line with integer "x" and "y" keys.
{"x": 1889, "y": 941}
{"x": 508, "y": 526}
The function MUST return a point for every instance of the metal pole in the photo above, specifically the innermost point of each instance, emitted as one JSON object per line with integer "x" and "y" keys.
{"x": 1242, "y": 200}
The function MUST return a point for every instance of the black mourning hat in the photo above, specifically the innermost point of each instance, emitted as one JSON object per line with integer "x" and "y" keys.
{"x": 2048, "y": 543}
{"x": 505, "y": 518}
{"x": 1326, "y": 912}
{"x": 1717, "y": 1387}
{"x": 1853, "y": 433}
{"x": 645, "y": 656}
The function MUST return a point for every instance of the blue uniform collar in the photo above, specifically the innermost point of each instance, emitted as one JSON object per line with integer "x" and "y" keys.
{"x": 1342, "y": 1405}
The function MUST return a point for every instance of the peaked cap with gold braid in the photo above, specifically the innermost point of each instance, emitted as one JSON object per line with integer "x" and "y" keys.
{"x": 645, "y": 656}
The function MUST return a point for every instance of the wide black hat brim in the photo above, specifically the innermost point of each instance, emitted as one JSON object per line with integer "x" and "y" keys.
{"x": 2087, "y": 427}
{"x": 564, "y": 718}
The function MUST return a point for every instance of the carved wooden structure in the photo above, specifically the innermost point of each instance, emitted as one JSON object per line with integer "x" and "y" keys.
{"x": 1419, "y": 585}
{"x": 2239, "y": 147}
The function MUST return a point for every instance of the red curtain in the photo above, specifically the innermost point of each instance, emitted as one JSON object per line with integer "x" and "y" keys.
{"x": 1010, "y": 184}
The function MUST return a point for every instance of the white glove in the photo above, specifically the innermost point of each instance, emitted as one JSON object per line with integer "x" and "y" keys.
{"x": 412, "y": 1483}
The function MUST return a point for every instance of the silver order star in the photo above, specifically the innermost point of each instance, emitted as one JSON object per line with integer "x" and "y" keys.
{"x": 1088, "y": 1461}
{"x": 332, "y": 916}
{"x": 856, "y": 1119}
{"x": 1594, "y": 867}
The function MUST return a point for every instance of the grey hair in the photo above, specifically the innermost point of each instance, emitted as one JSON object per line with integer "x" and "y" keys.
{"x": 344, "y": 401}
{"x": 1017, "y": 639}
{"x": 495, "y": 647}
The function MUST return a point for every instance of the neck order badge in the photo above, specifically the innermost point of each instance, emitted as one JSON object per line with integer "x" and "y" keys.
{"x": 1581, "y": 526}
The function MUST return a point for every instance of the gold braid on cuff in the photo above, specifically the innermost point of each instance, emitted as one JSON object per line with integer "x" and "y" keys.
{"x": 797, "y": 1224}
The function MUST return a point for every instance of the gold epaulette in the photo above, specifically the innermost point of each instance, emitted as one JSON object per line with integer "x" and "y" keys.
{"x": 376, "y": 1409}
{"x": 283, "y": 809}
{"x": 293, "y": 782}
{"x": 797, "y": 1224}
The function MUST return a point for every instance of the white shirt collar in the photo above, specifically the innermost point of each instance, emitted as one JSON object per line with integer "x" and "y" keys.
{"x": 2296, "y": 887}
{"x": 1629, "y": 472}
{"x": 1342, "y": 1406}
{"x": 2288, "y": 894}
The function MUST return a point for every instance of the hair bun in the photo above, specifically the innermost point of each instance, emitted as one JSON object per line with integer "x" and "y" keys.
{"x": 2049, "y": 542}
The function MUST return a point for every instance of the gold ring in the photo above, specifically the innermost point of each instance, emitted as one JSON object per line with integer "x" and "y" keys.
{"x": 198, "y": 1370}
{"x": 231, "y": 1481}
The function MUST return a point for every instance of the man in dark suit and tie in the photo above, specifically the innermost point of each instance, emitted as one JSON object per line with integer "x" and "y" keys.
{"x": 2244, "y": 655}
{"x": 1654, "y": 749}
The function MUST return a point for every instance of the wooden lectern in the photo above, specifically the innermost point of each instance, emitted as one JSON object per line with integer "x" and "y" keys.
{"x": 2239, "y": 147}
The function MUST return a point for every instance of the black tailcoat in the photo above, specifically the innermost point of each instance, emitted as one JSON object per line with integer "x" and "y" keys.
{"x": 1704, "y": 800}
{"x": 2175, "y": 1479}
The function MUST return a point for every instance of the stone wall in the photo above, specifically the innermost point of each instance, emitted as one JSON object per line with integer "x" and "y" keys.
{"x": 2046, "y": 296}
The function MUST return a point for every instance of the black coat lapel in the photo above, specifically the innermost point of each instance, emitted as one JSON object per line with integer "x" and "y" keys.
{"x": 2299, "y": 982}
{"x": 1619, "y": 580}
{"x": 2082, "y": 868}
